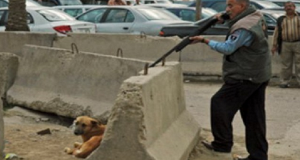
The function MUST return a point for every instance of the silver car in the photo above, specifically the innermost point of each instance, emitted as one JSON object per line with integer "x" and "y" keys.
{"x": 47, "y": 19}
{"x": 130, "y": 19}
{"x": 75, "y": 10}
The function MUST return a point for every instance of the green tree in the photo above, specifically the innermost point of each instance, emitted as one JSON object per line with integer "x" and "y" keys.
{"x": 17, "y": 18}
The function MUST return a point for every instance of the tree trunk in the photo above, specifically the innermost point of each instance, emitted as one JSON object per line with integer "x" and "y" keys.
{"x": 17, "y": 18}
{"x": 198, "y": 9}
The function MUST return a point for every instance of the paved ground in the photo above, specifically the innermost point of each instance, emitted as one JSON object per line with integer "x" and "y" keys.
{"x": 283, "y": 120}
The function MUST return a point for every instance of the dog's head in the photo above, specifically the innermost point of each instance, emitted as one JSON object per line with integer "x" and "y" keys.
{"x": 84, "y": 124}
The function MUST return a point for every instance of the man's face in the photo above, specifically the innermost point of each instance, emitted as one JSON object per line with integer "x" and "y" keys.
{"x": 289, "y": 8}
{"x": 234, "y": 8}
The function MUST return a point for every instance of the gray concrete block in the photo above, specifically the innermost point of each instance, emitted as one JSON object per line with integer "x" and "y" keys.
{"x": 149, "y": 120}
{"x": 8, "y": 69}
{"x": 69, "y": 84}
{"x": 13, "y": 42}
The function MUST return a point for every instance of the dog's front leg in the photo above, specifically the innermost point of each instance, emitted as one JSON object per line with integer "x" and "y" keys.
{"x": 69, "y": 150}
{"x": 77, "y": 145}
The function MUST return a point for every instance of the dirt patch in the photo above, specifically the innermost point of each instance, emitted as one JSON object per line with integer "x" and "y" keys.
{"x": 22, "y": 138}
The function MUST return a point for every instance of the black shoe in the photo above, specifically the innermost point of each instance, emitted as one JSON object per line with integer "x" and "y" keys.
{"x": 241, "y": 159}
{"x": 284, "y": 85}
{"x": 207, "y": 145}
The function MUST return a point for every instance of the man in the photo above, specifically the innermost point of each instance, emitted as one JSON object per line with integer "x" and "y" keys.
{"x": 286, "y": 41}
{"x": 246, "y": 72}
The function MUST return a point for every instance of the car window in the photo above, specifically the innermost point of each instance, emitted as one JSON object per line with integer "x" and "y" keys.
{"x": 54, "y": 15}
{"x": 263, "y": 4}
{"x": 29, "y": 19}
{"x": 157, "y": 14}
{"x": 129, "y": 17}
{"x": 60, "y": 2}
{"x": 48, "y": 3}
{"x": 219, "y": 6}
{"x": 3, "y": 4}
{"x": 4, "y": 18}
{"x": 93, "y": 16}
{"x": 149, "y": 2}
{"x": 70, "y": 2}
{"x": 116, "y": 16}
{"x": 73, "y": 11}
{"x": 188, "y": 15}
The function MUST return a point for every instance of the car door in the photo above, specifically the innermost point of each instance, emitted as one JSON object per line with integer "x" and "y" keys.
{"x": 93, "y": 15}
{"x": 116, "y": 20}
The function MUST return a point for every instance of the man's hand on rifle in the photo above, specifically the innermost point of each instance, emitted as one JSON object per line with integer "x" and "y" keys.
{"x": 197, "y": 39}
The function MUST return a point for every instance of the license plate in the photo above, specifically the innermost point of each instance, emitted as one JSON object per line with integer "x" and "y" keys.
{"x": 84, "y": 30}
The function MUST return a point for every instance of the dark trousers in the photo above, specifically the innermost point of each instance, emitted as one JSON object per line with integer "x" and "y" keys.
{"x": 249, "y": 98}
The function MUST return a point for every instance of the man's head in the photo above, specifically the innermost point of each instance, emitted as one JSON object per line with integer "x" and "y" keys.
{"x": 235, "y": 7}
{"x": 289, "y": 8}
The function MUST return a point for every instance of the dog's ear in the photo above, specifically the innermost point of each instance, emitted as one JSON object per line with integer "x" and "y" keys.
{"x": 94, "y": 122}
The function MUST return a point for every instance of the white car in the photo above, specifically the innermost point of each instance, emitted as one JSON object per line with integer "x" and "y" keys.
{"x": 130, "y": 19}
{"x": 47, "y": 19}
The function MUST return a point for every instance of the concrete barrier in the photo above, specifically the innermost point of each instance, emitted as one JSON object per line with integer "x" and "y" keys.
{"x": 68, "y": 83}
{"x": 197, "y": 59}
{"x": 13, "y": 42}
{"x": 149, "y": 120}
{"x": 147, "y": 48}
{"x": 8, "y": 68}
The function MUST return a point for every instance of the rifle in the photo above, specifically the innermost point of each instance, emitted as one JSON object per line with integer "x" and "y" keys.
{"x": 186, "y": 41}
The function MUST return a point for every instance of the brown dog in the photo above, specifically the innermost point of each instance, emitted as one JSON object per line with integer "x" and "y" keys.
{"x": 91, "y": 132}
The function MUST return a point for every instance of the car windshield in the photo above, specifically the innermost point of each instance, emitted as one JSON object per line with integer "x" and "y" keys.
{"x": 55, "y": 15}
{"x": 157, "y": 14}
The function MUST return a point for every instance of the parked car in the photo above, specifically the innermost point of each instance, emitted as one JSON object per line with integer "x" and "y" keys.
{"x": 155, "y": 1}
{"x": 130, "y": 19}
{"x": 217, "y": 29}
{"x": 4, "y": 3}
{"x": 165, "y": 5}
{"x": 189, "y": 13}
{"x": 59, "y": 2}
{"x": 220, "y": 5}
{"x": 281, "y": 2}
{"x": 75, "y": 10}
{"x": 186, "y": 2}
{"x": 184, "y": 12}
{"x": 46, "y": 19}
